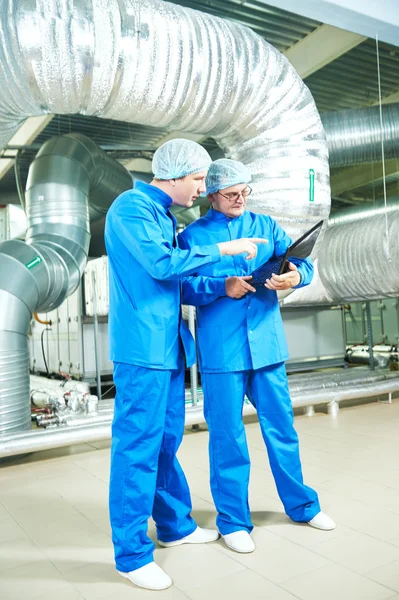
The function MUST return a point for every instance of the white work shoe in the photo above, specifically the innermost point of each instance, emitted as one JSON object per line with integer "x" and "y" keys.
{"x": 198, "y": 536}
{"x": 240, "y": 541}
{"x": 150, "y": 577}
{"x": 322, "y": 521}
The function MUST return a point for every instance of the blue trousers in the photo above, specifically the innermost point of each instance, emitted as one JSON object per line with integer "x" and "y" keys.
{"x": 267, "y": 389}
{"x": 146, "y": 477}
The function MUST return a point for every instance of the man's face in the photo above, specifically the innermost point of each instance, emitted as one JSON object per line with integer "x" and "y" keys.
{"x": 231, "y": 201}
{"x": 187, "y": 189}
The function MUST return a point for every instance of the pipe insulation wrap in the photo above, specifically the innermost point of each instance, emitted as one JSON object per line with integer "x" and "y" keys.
{"x": 69, "y": 175}
{"x": 156, "y": 64}
{"x": 94, "y": 431}
{"x": 357, "y": 259}
{"x": 163, "y": 65}
{"x": 354, "y": 136}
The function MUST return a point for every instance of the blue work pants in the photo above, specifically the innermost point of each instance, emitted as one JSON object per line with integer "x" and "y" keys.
{"x": 146, "y": 477}
{"x": 267, "y": 389}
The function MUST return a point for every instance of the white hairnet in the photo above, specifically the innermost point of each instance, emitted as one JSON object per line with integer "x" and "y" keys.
{"x": 178, "y": 158}
{"x": 225, "y": 172}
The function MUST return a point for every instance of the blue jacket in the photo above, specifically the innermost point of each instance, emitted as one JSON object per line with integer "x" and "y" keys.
{"x": 145, "y": 267}
{"x": 236, "y": 335}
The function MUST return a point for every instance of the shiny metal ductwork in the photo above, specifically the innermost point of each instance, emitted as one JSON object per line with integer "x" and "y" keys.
{"x": 306, "y": 392}
{"x": 152, "y": 63}
{"x": 354, "y": 136}
{"x": 163, "y": 65}
{"x": 38, "y": 275}
{"x": 357, "y": 260}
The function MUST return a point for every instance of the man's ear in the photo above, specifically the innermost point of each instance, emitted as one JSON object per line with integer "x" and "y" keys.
{"x": 211, "y": 198}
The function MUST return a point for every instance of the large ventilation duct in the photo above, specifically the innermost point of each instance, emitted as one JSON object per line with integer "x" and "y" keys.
{"x": 354, "y": 136}
{"x": 144, "y": 62}
{"x": 163, "y": 65}
{"x": 357, "y": 260}
{"x": 69, "y": 175}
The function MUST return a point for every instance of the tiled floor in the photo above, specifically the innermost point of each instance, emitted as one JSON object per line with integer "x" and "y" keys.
{"x": 55, "y": 537}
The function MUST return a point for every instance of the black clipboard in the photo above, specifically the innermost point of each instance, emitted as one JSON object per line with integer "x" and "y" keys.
{"x": 279, "y": 264}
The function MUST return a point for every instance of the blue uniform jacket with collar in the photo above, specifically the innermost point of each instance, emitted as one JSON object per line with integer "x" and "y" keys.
{"x": 145, "y": 267}
{"x": 236, "y": 335}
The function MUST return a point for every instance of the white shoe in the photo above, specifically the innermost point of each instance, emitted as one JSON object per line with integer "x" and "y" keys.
{"x": 322, "y": 521}
{"x": 198, "y": 536}
{"x": 150, "y": 577}
{"x": 240, "y": 541}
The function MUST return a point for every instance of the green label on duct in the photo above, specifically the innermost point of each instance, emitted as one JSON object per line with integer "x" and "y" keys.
{"x": 33, "y": 262}
{"x": 311, "y": 185}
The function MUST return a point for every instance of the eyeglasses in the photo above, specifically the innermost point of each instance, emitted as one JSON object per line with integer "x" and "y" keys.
{"x": 234, "y": 196}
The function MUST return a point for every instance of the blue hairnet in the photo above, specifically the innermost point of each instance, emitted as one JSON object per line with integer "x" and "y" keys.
{"x": 178, "y": 158}
{"x": 225, "y": 172}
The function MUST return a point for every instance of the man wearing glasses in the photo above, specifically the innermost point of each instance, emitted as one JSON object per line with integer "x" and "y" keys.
{"x": 242, "y": 349}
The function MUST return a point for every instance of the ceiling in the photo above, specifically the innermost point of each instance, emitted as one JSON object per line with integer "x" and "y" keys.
{"x": 345, "y": 78}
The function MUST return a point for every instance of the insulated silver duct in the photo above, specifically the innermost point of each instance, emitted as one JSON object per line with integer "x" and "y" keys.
{"x": 145, "y": 62}
{"x": 356, "y": 214}
{"x": 163, "y": 65}
{"x": 354, "y": 136}
{"x": 38, "y": 275}
{"x": 330, "y": 390}
{"x": 360, "y": 261}
{"x": 357, "y": 259}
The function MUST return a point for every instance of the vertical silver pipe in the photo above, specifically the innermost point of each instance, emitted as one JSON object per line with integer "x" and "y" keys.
{"x": 95, "y": 331}
{"x": 369, "y": 324}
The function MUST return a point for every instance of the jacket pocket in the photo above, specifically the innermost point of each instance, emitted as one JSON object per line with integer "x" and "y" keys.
{"x": 147, "y": 342}
{"x": 210, "y": 346}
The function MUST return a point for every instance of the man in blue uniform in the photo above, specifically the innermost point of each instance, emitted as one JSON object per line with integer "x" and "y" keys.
{"x": 242, "y": 349}
{"x": 148, "y": 339}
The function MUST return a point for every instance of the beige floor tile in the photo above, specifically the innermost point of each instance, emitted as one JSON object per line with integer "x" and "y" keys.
{"x": 19, "y": 494}
{"x": 35, "y": 580}
{"x": 102, "y": 582}
{"x": 104, "y": 525}
{"x": 59, "y": 499}
{"x": 32, "y": 518}
{"x": 198, "y": 480}
{"x": 204, "y": 513}
{"x": 196, "y": 564}
{"x": 4, "y": 514}
{"x": 275, "y": 558}
{"x": 313, "y": 475}
{"x": 19, "y": 552}
{"x": 334, "y": 582}
{"x": 381, "y": 524}
{"x": 266, "y": 511}
{"x": 368, "y": 492}
{"x": 387, "y": 575}
{"x": 355, "y": 550}
{"x": 382, "y": 476}
{"x": 130, "y": 592}
{"x": 245, "y": 584}
{"x": 27, "y": 473}
{"x": 96, "y": 510}
{"x": 260, "y": 460}
{"x": 11, "y": 531}
{"x": 86, "y": 486}
{"x": 324, "y": 460}
{"x": 101, "y": 444}
{"x": 254, "y": 437}
{"x": 98, "y": 580}
{"x": 261, "y": 483}
{"x": 69, "y": 557}
{"x": 301, "y": 533}
{"x": 72, "y": 531}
